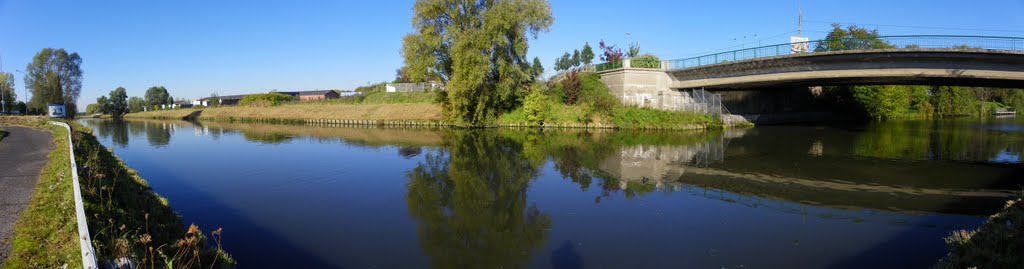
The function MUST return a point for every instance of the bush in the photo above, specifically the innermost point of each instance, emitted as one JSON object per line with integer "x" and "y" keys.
{"x": 645, "y": 61}
{"x": 536, "y": 107}
{"x": 267, "y": 99}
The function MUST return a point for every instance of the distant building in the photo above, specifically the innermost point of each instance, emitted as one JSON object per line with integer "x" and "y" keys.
{"x": 413, "y": 87}
{"x": 227, "y": 100}
{"x": 304, "y": 96}
{"x": 177, "y": 104}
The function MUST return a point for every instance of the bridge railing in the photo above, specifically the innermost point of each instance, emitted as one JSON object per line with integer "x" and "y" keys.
{"x": 884, "y": 42}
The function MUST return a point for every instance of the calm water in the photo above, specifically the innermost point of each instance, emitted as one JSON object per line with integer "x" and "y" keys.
{"x": 771, "y": 197}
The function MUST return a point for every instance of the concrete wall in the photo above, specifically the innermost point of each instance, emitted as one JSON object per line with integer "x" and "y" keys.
{"x": 644, "y": 88}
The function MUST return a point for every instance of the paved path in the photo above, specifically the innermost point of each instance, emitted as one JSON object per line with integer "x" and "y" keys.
{"x": 23, "y": 153}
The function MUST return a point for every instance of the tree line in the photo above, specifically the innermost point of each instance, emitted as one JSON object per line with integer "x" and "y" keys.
{"x": 117, "y": 103}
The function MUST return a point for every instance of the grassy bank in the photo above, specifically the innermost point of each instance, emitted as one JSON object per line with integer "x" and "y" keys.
{"x": 45, "y": 236}
{"x": 2, "y": 134}
{"x": 999, "y": 243}
{"x": 308, "y": 111}
{"x": 125, "y": 217}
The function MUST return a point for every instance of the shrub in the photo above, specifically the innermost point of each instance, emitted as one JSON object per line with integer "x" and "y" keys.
{"x": 645, "y": 61}
{"x": 267, "y": 99}
{"x": 536, "y": 106}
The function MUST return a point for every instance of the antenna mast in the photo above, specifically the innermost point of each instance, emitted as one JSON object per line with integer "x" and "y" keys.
{"x": 800, "y": 20}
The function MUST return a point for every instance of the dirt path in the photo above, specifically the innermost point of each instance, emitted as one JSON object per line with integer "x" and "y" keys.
{"x": 23, "y": 153}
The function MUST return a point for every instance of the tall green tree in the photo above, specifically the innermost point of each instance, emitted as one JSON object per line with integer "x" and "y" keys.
{"x": 118, "y": 102}
{"x": 478, "y": 48}
{"x": 103, "y": 104}
{"x": 851, "y": 38}
{"x": 538, "y": 69}
{"x": 55, "y": 77}
{"x": 587, "y": 55}
{"x": 7, "y": 94}
{"x": 576, "y": 60}
{"x": 136, "y": 104}
{"x": 156, "y": 96}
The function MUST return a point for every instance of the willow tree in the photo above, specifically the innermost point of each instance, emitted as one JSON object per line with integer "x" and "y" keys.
{"x": 477, "y": 48}
{"x": 55, "y": 77}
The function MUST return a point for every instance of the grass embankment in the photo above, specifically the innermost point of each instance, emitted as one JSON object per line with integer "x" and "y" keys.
{"x": 2, "y": 134}
{"x": 126, "y": 218}
{"x": 596, "y": 108}
{"x": 45, "y": 236}
{"x": 999, "y": 243}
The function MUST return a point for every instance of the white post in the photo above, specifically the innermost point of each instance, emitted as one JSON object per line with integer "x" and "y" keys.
{"x": 625, "y": 63}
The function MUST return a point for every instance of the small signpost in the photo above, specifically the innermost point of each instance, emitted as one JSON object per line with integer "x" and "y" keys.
{"x": 56, "y": 111}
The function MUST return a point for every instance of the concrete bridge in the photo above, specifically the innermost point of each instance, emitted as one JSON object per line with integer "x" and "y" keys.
{"x": 903, "y": 60}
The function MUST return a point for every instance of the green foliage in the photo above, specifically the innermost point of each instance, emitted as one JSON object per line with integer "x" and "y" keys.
{"x": 470, "y": 198}
{"x": 645, "y": 61}
{"x": 996, "y": 244}
{"x": 954, "y": 101}
{"x": 103, "y": 104}
{"x": 156, "y": 96}
{"x": 118, "y": 105}
{"x": 93, "y": 108}
{"x": 478, "y": 50}
{"x": 55, "y": 77}
{"x": 387, "y": 98}
{"x": 537, "y": 68}
{"x": 851, "y": 38}
{"x": 214, "y": 100}
{"x": 882, "y": 102}
{"x": 372, "y": 88}
{"x": 634, "y": 50}
{"x": 266, "y": 99}
{"x": 536, "y": 107}
{"x": 587, "y": 55}
{"x": 7, "y": 91}
{"x": 136, "y": 104}
{"x": 646, "y": 118}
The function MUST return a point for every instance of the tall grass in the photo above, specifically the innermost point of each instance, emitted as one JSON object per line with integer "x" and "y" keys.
{"x": 129, "y": 222}
{"x": 999, "y": 243}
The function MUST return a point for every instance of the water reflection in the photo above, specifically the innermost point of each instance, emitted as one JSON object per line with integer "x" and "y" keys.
{"x": 528, "y": 198}
{"x": 469, "y": 201}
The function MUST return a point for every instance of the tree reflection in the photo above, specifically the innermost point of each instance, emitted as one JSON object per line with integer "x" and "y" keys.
{"x": 927, "y": 140}
{"x": 266, "y": 137}
{"x": 118, "y": 132}
{"x": 158, "y": 134}
{"x": 469, "y": 200}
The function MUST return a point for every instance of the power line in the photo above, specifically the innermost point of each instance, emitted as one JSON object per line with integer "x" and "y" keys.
{"x": 920, "y": 27}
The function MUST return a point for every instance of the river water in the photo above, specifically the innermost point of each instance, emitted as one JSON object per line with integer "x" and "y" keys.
{"x": 287, "y": 196}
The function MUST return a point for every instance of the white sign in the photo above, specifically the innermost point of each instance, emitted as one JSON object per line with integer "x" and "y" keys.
{"x": 798, "y": 44}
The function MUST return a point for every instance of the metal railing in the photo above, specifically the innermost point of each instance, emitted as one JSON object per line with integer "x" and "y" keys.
{"x": 969, "y": 43}
{"x": 608, "y": 66}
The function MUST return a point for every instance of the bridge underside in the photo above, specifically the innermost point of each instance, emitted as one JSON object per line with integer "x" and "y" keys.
{"x": 889, "y": 67}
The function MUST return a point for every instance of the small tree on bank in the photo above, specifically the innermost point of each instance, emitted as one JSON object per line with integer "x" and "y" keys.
{"x": 118, "y": 102}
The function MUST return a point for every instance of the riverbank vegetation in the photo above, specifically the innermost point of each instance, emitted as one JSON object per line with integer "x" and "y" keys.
{"x": 886, "y": 102}
{"x": 45, "y": 235}
{"x": 128, "y": 220}
{"x": 996, "y": 244}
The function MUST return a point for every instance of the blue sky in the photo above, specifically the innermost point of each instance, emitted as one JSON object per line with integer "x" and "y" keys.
{"x": 195, "y": 48}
